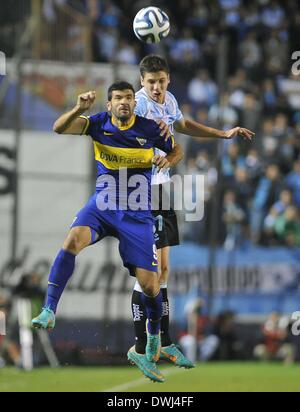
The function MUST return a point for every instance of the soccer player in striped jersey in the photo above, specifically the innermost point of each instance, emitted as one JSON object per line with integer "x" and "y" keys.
{"x": 123, "y": 142}
{"x": 154, "y": 101}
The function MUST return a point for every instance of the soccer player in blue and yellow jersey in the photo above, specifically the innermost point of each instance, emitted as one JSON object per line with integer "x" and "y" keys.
{"x": 121, "y": 205}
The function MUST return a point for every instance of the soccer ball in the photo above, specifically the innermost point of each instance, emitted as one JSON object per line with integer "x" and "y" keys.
{"x": 151, "y": 25}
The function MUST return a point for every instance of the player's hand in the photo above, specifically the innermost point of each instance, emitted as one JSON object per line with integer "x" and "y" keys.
{"x": 164, "y": 129}
{"x": 239, "y": 131}
{"x": 86, "y": 100}
{"x": 161, "y": 162}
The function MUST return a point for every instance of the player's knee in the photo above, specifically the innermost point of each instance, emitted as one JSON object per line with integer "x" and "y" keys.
{"x": 72, "y": 244}
{"x": 75, "y": 242}
{"x": 150, "y": 288}
{"x": 147, "y": 289}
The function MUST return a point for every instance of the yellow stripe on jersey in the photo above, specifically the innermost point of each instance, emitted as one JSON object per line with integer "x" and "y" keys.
{"x": 173, "y": 141}
{"x": 86, "y": 124}
{"x": 132, "y": 121}
{"x": 114, "y": 158}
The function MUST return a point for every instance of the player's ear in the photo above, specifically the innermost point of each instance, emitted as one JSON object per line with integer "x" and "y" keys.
{"x": 168, "y": 77}
{"x": 142, "y": 81}
{"x": 108, "y": 105}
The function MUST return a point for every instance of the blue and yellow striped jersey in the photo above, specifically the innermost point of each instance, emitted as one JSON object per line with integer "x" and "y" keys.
{"x": 130, "y": 147}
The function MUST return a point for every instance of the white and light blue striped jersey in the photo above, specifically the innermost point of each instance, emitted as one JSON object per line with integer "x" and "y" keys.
{"x": 169, "y": 112}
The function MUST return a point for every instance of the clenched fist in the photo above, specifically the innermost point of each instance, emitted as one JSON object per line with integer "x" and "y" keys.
{"x": 86, "y": 100}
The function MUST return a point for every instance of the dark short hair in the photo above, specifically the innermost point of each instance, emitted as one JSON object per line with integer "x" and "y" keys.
{"x": 153, "y": 63}
{"x": 119, "y": 85}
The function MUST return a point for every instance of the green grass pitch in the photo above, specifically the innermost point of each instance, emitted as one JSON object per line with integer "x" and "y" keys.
{"x": 209, "y": 377}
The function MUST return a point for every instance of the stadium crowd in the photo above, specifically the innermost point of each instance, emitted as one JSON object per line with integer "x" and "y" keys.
{"x": 260, "y": 182}
{"x": 260, "y": 196}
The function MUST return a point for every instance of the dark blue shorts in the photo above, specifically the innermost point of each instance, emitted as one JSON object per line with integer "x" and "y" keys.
{"x": 135, "y": 231}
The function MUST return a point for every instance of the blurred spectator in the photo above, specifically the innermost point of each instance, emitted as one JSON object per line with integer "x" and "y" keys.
{"x": 276, "y": 53}
{"x": 230, "y": 160}
{"x": 265, "y": 195}
{"x": 229, "y": 347}
{"x": 267, "y": 142}
{"x": 203, "y": 162}
{"x": 109, "y": 14}
{"x": 233, "y": 217}
{"x": 202, "y": 144}
{"x": 251, "y": 17}
{"x": 185, "y": 51}
{"x": 200, "y": 16}
{"x": 198, "y": 342}
{"x": 250, "y": 112}
{"x": 290, "y": 87}
{"x": 28, "y": 288}
{"x": 209, "y": 48}
{"x": 277, "y": 209}
{"x": 287, "y": 227}
{"x": 223, "y": 114}
{"x": 107, "y": 40}
{"x": 273, "y": 15}
{"x": 285, "y": 200}
{"x": 202, "y": 90}
{"x": 50, "y": 8}
{"x": 9, "y": 345}
{"x": 269, "y": 96}
{"x": 275, "y": 344}
{"x": 281, "y": 128}
{"x": 292, "y": 180}
{"x": 243, "y": 188}
{"x": 253, "y": 165}
{"x": 231, "y": 11}
{"x": 250, "y": 54}
{"x": 3, "y": 312}
{"x": 127, "y": 54}
{"x": 294, "y": 141}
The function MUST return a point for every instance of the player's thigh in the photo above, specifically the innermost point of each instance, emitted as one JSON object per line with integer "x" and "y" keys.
{"x": 137, "y": 247}
{"x": 88, "y": 227}
{"x": 77, "y": 239}
{"x": 148, "y": 281}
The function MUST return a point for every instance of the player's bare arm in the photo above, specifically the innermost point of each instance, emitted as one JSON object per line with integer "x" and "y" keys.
{"x": 198, "y": 130}
{"x": 171, "y": 160}
{"x": 70, "y": 122}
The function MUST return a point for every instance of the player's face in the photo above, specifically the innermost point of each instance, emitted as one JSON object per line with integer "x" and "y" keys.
{"x": 156, "y": 85}
{"x": 122, "y": 104}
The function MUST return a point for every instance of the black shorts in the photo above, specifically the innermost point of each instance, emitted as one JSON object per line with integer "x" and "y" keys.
{"x": 166, "y": 233}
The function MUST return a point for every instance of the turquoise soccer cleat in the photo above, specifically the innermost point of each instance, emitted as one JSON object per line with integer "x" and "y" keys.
{"x": 172, "y": 354}
{"x": 149, "y": 369}
{"x": 153, "y": 346}
{"x": 45, "y": 320}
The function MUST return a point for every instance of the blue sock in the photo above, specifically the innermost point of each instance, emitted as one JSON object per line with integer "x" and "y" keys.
{"x": 61, "y": 272}
{"x": 153, "y": 308}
